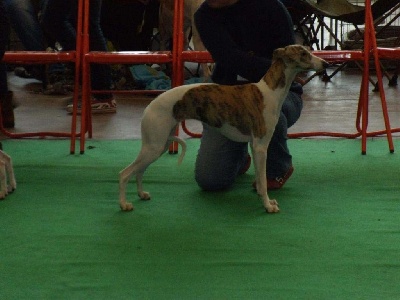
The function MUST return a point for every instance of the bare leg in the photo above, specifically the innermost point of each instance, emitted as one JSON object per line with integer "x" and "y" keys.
{"x": 138, "y": 167}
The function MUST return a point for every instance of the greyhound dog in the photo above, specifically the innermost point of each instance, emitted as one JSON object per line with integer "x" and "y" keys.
{"x": 243, "y": 113}
{"x": 6, "y": 174}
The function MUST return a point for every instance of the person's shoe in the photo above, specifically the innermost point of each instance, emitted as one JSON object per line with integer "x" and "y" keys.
{"x": 246, "y": 165}
{"x": 7, "y": 110}
{"x": 22, "y": 72}
{"x": 277, "y": 182}
{"x": 98, "y": 106}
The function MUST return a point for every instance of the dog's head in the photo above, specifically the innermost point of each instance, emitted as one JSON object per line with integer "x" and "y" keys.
{"x": 300, "y": 58}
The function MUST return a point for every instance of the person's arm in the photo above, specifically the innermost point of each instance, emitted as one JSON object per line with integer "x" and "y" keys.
{"x": 225, "y": 51}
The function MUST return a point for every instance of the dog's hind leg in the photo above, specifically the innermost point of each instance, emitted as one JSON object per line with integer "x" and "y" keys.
{"x": 124, "y": 177}
{"x": 150, "y": 152}
{"x": 137, "y": 168}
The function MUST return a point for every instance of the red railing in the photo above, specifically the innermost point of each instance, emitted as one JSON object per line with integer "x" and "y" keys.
{"x": 44, "y": 57}
{"x": 83, "y": 57}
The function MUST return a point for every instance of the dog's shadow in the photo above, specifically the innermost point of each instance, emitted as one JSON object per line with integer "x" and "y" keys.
{"x": 238, "y": 201}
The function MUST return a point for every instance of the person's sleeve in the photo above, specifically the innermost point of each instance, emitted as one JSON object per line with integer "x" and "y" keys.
{"x": 226, "y": 52}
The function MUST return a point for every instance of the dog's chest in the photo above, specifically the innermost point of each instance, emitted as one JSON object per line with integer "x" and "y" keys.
{"x": 238, "y": 106}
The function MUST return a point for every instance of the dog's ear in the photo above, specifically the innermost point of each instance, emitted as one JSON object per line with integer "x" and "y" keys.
{"x": 278, "y": 53}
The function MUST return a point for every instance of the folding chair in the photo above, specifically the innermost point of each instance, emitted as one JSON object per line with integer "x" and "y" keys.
{"x": 303, "y": 18}
{"x": 345, "y": 12}
{"x": 370, "y": 51}
{"x": 43, "y": 57}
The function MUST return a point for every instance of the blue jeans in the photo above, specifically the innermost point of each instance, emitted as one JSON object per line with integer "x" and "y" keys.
{"x": 220, "y": 159}
{"x": 58, "y": 20}
{"x": 24, "y": 20}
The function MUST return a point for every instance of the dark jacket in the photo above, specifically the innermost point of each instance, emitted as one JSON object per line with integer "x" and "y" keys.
{"x": 4, "y": 29}
{"x": 242, "y": 37}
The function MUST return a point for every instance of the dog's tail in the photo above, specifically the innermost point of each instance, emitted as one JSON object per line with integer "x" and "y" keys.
{"x": 181, "y": 142}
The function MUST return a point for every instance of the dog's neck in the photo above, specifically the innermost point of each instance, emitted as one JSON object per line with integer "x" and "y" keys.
{"x": 279, "y": 75}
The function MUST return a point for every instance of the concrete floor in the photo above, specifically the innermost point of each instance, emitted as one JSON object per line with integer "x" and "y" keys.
{"x": 328, "y": 106}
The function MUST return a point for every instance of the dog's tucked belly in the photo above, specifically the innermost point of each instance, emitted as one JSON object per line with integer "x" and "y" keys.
{"x": 237, "y": 111}
{"x": 233, "y": 134}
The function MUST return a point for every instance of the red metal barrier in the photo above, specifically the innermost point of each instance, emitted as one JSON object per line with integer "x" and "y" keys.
{"x": 370, "y": 50}
{"x": 179, "y": 56}
{"x": 121, "y": 57}
{"x": 44, "y": 57}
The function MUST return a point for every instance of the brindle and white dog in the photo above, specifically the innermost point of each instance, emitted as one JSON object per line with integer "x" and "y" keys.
{"x": 243, "y": 113}
{"x": 7, "y": 178}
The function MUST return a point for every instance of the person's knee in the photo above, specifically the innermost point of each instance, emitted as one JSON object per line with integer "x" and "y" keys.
{"x": 210, "y": 182}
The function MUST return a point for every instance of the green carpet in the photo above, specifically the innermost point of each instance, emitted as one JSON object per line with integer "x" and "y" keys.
{"x": 62, "y": 235}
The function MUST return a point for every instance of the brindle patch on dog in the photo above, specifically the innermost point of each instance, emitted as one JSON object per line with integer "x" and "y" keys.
{"x": 240, "y": 106}
{"x": 275, "y": 78}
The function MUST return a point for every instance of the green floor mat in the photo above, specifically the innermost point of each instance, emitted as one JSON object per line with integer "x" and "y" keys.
{"x": 62, "y": 235}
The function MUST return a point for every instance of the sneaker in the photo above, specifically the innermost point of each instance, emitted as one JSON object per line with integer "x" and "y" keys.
{"x": 246, "y": 165}
{"x": 277, "y": 182}
{"x": 98, "y": 107}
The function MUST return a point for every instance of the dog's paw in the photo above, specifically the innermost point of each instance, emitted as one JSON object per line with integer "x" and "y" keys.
{"x": 3, "y": 193}
{"x": 127, "y": 206}
{"x": 272, "y": 206}
{"x": 10, "y": 189}
{"x": 144, "y": 195}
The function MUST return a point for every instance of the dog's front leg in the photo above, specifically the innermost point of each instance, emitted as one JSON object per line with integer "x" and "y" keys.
{"x": 259, "y": 150}
{"x": 7, "y": 177}
{"x": 124, "y": 177}
{"x": 12, "y": 183}
{"x": 3, "y": 179}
